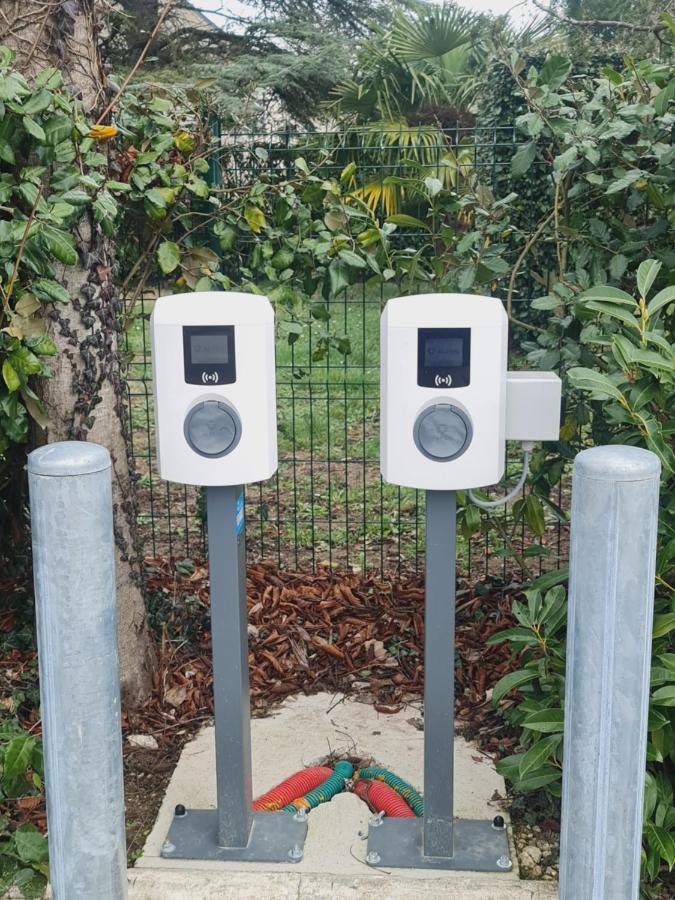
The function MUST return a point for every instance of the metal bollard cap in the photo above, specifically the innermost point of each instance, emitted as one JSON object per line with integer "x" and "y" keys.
{"x": 617, "y": 462}
{"x": 68, "y": 458}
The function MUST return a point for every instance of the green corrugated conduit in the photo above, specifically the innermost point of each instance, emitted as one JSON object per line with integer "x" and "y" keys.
{"x": 409, "y": 794}
{"x": 335, "y": 783}
{"x": 326, "y": 791}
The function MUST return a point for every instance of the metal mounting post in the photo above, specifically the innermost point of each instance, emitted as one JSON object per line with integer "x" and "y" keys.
{"x": 437, "y": 840}
{"x": 74, "y": 574}
{"x": 229, "y": 641}
{"x": 232, "y": 831}
{"x": 615, "y": 511}
{"x": 439, "y": 672}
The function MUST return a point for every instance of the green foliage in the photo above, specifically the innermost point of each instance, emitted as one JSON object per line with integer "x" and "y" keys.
{"x": 422, "y": 61}
{"x": 300, "y": 234}
{"x": 632, "y": 388}
{"x": 283, "y": 61}
{"x": 602, "y": 246}
{"x": 295, "y": 238}
{"x": 23, "y": 849}
{"x": 607, "y": 145}
{"x": 540, "y": 679}
{"x": 538, "y": 644}
{"x": 51, "y": 175}
{"x": 599, "y": 151}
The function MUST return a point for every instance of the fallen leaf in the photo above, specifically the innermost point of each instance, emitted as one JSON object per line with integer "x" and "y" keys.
{"x": 175, "y": 696}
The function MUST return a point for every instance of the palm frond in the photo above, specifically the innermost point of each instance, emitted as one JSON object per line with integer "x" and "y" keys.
{"x": 430, "y": 33}
{"x": 456, "y": 167}
{"x": 381, "y": 196}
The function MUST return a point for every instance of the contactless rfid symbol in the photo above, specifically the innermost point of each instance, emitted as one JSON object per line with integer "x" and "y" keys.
{"x": 443, "y": 380}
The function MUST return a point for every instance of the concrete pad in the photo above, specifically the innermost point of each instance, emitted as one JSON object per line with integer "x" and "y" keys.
{"x": 300, "y": 733}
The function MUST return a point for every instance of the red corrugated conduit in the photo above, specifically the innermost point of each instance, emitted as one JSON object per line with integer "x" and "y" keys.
{"x": 382, "y": 798}
{"x": 289, "y": 790}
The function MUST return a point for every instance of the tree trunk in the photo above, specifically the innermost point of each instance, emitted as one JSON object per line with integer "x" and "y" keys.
{"x": 85, "y": 397}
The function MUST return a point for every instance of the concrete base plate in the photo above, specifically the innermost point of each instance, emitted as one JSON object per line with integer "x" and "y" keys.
{"x": 478, "y": 846}
{"x": 275, "y": 837}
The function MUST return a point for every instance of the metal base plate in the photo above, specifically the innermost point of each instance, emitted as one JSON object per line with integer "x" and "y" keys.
{"x": 397, "y": 843}
{"x": 275, "y": 837}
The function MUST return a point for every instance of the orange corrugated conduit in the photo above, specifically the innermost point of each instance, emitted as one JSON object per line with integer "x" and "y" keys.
{"x": 292, "y": 788}
{"x": 382, "y": 798}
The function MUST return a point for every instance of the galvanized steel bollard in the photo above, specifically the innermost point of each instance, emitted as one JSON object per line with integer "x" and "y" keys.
{"x": 74, "y": 575}
{"x": 615, "y": 492}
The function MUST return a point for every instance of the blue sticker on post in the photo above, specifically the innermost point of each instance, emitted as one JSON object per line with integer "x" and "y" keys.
{"x": 239, "y": 513}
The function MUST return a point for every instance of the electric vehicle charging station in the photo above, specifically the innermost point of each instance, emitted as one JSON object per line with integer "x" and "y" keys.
{"x": 215, "y": 420}
{"x": 448, "y": 405}
{"x": 613, "y": 539}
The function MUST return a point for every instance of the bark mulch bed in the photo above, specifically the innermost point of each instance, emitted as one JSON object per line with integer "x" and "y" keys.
{"x": 321, "y": 632}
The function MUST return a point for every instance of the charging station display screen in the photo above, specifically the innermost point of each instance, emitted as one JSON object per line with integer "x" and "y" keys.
{"x": 440, "y": 352}
{"x": 443, "y": 357}
{"x": 209, "y": 354}
{"x": 209, "y": 348}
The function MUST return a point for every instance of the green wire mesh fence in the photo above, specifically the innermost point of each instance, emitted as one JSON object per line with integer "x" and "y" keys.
{"x": 327, "y": 505}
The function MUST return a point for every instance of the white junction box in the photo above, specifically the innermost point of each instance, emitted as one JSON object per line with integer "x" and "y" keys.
{"x": 533, "y": 406}
{"x": 214, "y": 388}
{"x": 443, "y": 403}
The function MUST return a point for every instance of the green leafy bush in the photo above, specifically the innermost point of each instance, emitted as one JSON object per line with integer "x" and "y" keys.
{"x": 631, "y": 385}
{"x": 606, "y": 143}
{"x": 605, "y": 227}
{"x": 627, "y": 388}
{"x": 538, "y": 642}
{"x": 23, "y": 848}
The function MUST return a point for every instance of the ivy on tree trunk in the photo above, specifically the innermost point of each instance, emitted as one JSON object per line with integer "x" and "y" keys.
{"x": 84, "y": 398}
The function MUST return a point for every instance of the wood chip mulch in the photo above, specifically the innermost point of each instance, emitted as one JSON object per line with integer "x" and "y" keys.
{"x": 323, "y": 632}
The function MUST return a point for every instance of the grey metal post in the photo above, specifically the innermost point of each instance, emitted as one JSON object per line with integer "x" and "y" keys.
{"x": 232, "y": 831}
{"x": 74, "y": 575}
{"x": 615, "y": 492}
{"x": 229, "y": 637}
{"x": 439, "y": 673}
{"x": 436, "y": 840}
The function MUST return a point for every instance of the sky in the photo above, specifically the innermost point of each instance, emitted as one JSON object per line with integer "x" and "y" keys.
{"x": 521, "y": 10}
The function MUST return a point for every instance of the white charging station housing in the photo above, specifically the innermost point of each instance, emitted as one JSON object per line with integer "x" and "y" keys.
{"x": 448, "y": 403}
{"x": 443, "y": 403}
{"x": 214, "y": 388}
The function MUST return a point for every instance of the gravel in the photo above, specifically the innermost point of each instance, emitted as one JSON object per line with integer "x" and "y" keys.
{"x": 538, "y": 851}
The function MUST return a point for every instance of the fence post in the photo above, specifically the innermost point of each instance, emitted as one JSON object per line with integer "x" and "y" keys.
{"x": 615, "y": 493}
{"x": 74, "y": 576}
